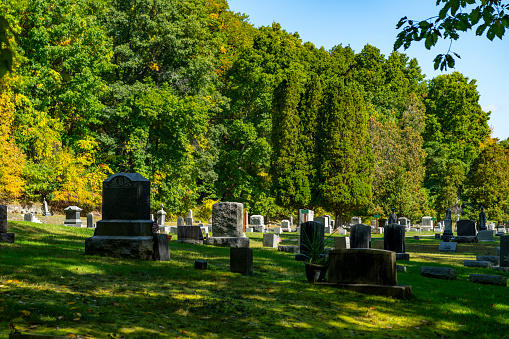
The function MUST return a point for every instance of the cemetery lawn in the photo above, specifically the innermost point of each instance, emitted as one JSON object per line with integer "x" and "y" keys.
{"x": 49, "y": 286}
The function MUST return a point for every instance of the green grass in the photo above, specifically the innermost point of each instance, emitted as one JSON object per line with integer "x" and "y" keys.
{"x": 49, "y": 286}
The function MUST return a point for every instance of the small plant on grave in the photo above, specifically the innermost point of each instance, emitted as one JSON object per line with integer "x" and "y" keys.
{"x": 315, "y": 247}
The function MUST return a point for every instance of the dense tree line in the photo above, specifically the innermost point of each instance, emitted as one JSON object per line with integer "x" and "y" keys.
{"x": 208, "y": 107}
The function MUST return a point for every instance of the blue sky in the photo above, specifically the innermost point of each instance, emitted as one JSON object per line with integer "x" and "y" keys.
{"x": 356, "y": 23}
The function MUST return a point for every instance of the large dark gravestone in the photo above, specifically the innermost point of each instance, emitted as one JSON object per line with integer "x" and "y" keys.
{"x": 465, "y": 228}
{"x": 311, "y": 233}
{"x": 125, "y": 229}
{"x": 360, "y": 236}
{"x": 394, "y": 238}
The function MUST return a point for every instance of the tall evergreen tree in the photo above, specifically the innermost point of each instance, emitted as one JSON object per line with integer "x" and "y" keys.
{"x": 344, "y": 155}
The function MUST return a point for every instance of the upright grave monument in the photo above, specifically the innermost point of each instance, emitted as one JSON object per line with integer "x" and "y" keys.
{"x": 466, "y": 231}
{"x": 311, "y": 232}
{"x": 72, "y": 216}
{"x": 126, "y": 229}
{"x": 394, "y": 240}
{"x": 257, "y": 223}
{"x": 360, "y": 236}
{"x": 4, "y": 236}
{"x": 447, "y": 226}
{"x": 484, "y": 234}
{"x": 504, "y": 251}
{"x": 227, "y": 225}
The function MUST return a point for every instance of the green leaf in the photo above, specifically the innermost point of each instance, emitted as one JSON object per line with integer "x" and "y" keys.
{"x": 480, "y": 29}
{"x": 457, "y": 55}
{"x": 475, "y": 15}
{"x": 470, "y": 2}
{"x": 437, "y": 60}
{"x": 498, "y": 29}
{"x": 450, "y": 60}
{"x": 424, "y": 24}
{"x": 443, "y": 12}
{"x": 429, "y": 42}
{"x": 491, "y": 33}
{"x": 401, "y": 22}
{"x": 454, "y": 7}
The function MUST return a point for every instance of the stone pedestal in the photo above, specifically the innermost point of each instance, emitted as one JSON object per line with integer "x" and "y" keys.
{"x": 72, "y": 216}
{"x": 447, "y": 247}
{"x": 121, "y": 246}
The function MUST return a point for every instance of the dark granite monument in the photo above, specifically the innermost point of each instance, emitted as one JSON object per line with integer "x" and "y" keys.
{"x": 190, "y": 234}
{"x": 482, "y": 220}
{"x": 125, "y": 229}
{"x": 360, "y": 236}
{"x": 241, "y": 260}
{"x": 465, "y": 228}
{"x": 447, "y": 226}
{"x": 504, "y": 251}
{"x": 394, "y": 238}
{"x": 4, "y": 236}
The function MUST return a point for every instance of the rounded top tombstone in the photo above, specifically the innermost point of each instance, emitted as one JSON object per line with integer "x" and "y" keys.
{"x": 126, "y": 196}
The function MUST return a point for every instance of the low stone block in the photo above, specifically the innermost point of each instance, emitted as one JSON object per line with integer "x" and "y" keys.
{"x": 120, "y": 247}
{"x": 270, "y": 240}
{"x": 189, "y": 235}
{"x": 342, "y": 231}
{"x": 447, "y": 247}
{"x": 416, "y": 237}
{"x": 241, "y": 260}
{"x": 485, "y": 235}
{"x": 249, "y": 229}
{"x": 489, "y": 279}
{"x": 342, "y": 243}
{"x": 161, "y": 247}
{"x": 259, "y": 228}
{"x": 438, "y": 272}
{"x": 289, "y": 249}
{"x": 475, "y": 263}
{"x": 491, "y": 258}
{"x": 362, "y": 266}
{"x": 403, "y": 256}
{"x": 501, "y": 269}
{"x": 466, "y": 239}
{"x": 437, "y": 235}
{"x": 17, "y": 335}
{"x": 278, "y": 230}
{"x": 200, "y": 265}
{"x": 7, "y": 237}
{"x": 234, "y": 242}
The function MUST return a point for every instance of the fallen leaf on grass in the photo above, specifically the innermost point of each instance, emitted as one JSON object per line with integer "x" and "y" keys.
{"x": 372, "y": 308}
{"x": 76, "y": 319}
{"x": 33, "y": 327}
{"x": 78, "y": 314}
{"x": 72, "y": 302}
{"x": 25, "y": 313}
{"x": 389, "y": 327}
{"x": 73, "y": 308}
{"x": 416, "y": 327}
{"x": 71, "y": 335}
{"x": 60, "y": 318}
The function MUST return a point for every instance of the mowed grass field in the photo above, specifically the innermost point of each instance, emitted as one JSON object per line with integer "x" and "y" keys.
{"x": 49, "y": 286}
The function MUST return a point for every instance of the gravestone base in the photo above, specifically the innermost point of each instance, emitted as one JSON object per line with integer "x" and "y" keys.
{"x": 73, "y": 223}
{"x": 489, "y": 279}
{"x": 437, "y": 235}
{"x": 466, "y": 239}
{"x": 501, "y": 269}
{"x": 241, "y": 260}
{"x": 258, "y": 228}
{"x": 495, "y": 260}
{"x": 121, "y": 247}
{"x": 289, "y": 249}
{"x": 438, "y": 272}
{"x": 398, "y": 291}
{"x": 485, "y": 235}
{"x": 446, "y": 237}
{"x": 233, "y": 242}
{"x": 7, "y": 237}
{"x": 161, "y": 247}
{"x": 403, "y": 256}
{"x": 124, "y": 228}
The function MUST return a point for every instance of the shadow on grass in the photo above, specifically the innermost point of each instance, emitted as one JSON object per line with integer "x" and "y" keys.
{"x": 47, "y": 274}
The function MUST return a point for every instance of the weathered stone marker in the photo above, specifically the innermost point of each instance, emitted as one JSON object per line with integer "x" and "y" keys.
{"x": 126, "y": 228}
{"x": 227, "y": 225}
{"x": 4, "y": 236}
{"x": 90, "y": 220}
{"x": 394, "y": 238}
